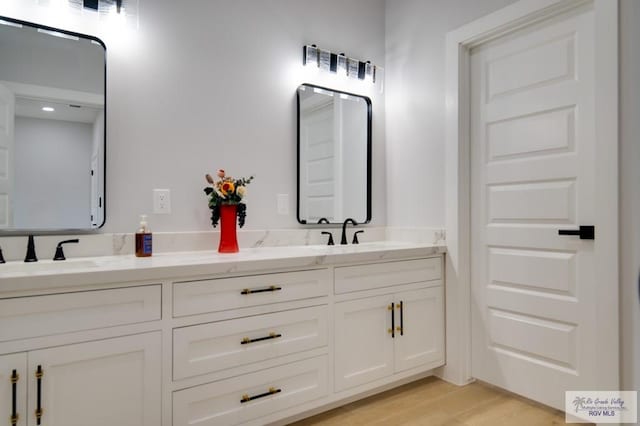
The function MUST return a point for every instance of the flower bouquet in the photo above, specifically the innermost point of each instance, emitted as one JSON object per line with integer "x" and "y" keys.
{"x": 225, "y": 202}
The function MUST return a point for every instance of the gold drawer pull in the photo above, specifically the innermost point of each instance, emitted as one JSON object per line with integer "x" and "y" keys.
{"x": 271, "y": 391}
{"x": 14, "y": 399}
{"x": 39, "y": 411}
{"x": 271, "y": 335}
{"x": 261, "y": 290}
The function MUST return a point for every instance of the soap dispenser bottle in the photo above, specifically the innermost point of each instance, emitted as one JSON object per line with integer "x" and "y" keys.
{"x": 144, "y": 239}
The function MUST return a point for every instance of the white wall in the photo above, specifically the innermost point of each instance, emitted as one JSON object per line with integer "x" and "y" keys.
{"x": 202, "y": 85}
{"x": 630, "y": 191}
{"x": 52, "y": 163}
{"x": 415, "y": 82}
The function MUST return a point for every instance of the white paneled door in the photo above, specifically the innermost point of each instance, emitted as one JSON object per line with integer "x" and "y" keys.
{"x": 317, "y": 171}
{"x": 535, "y": 310}
{"x": 7, "y": 107}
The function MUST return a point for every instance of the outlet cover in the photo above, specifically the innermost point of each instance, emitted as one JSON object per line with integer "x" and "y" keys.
{"x": 283, "y": 204}
{"x": 162, "y": 201}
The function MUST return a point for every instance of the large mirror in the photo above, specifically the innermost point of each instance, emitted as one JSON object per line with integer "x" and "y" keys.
{"x": 52, "y": 129}
{"x": 334, "y": 155}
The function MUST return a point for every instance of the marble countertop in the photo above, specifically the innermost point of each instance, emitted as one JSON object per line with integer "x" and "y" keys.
{"x": 20, "y": 277}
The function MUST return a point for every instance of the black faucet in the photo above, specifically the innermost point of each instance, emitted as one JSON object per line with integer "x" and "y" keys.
{"x": 330, "y": 242}
{"x": 355, "y": 237}
{"x": 323, "y": 220}
{"x": 1, "y": 257}
{"x": 31, "y": 251}
{"x": 59, "y": 252}
{"x": 343, "y": 239}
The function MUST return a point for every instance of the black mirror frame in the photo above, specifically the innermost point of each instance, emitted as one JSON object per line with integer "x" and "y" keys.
{"x": 9, "y": 232}
{"x": 369, "y": 149}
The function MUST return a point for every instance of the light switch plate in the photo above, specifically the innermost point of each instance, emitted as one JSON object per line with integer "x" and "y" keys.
{"x": 162, "y": 201}
{"x": 283, "y": 204}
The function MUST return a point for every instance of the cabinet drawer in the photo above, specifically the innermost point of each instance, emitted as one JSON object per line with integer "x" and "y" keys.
{"x": 34, "y": 316}
{"x": 376, "y": 275}
{"x": 217, "y": 346}
{"x": 199, "y": 297}
{"x": 227, "y": 402}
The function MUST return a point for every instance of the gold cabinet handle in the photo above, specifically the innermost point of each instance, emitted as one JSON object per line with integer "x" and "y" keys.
{"x": 271, "y": 391}
{"x": 272, "y": 335}
{"x": 401, "y": 307}
{"x": 393, "y": 320}
{"x": 14, "y": 398}
{"x": 261, "y": 290}
{"x": 39, "y": 411}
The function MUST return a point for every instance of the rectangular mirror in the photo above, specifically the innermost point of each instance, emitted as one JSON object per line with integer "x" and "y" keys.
{"x": 52, "y": 129}
{"x": 334, "y": 155}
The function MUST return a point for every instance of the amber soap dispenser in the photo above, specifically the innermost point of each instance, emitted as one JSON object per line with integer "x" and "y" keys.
{"x": 144, "y": 238}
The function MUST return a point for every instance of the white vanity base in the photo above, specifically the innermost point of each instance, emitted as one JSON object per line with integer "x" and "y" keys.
{"x": 263, "y": 336}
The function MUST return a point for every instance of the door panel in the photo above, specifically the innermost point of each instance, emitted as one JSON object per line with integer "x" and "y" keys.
{"x": 363, "y": 344}
{"x": 102, "y": 383}
{"x": 534, "y": 301}
{"x": 8, "y": 365}
{"x": 317, "y": 170}
{"x": 7, "y": 107}
{"x": 422, "y": 338}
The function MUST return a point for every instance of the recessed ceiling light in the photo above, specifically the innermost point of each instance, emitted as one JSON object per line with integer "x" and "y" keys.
{"x": 48, "y": 109}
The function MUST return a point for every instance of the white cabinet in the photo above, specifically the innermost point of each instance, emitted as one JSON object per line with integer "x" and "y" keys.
{"x": 225, "y": 294}
{"x": 205, "y": 348}
{"x": 34, "y": 316}
{"x": 378, "y": 336}
{"x": 13, "y": 389}
{"x": 248, "y": 349}
{"x": 101, "y": 383}
{"x": 421, "y": 340}
{"x": 363, "y": 342}
{"x": 251, "y": 396}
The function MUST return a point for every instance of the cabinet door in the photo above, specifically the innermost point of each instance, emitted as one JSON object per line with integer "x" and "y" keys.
{"x": 13, "y": 387}
{"x": 363, "y": 342}
{"x": 102, "y": 383}
{"x": 420, "y": 313}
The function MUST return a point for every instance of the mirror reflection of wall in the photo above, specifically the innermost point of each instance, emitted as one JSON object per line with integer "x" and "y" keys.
{"x": 334, "y": 143}
{"x": 52, "y": 87}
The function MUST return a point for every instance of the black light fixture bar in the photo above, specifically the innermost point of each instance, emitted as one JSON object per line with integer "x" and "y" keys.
{"x": 94, "y": 4}
{"x": 90, "y": 4}
{"x": 314, "y": 56}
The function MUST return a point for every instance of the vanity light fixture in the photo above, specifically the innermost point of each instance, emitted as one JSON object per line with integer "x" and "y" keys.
{"x": 341, "y": 65}
{"x": 338, "y": 63}
{"x": 48, "y": 109}
{"x": 94, "y": 4}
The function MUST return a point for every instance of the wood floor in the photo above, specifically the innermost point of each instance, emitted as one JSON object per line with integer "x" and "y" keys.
{"x": 432, "y": 402}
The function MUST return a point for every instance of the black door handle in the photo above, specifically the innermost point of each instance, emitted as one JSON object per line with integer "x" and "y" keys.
{"x": 587, "y": 232}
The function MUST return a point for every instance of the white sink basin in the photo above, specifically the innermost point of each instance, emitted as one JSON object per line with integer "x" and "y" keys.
{"x": 46, "y": 266}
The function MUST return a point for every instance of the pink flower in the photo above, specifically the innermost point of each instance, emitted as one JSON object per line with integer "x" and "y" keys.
{"x": 220, "y": 173}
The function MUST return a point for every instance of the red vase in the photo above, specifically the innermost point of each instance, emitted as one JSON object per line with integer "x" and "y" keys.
{"x": 228, "y": 221}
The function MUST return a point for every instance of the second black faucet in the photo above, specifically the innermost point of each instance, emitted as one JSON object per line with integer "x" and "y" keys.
{"x": 343, "y": 238}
